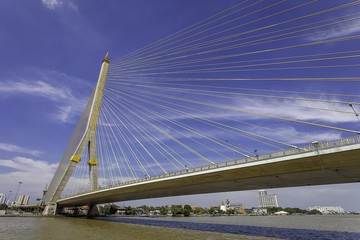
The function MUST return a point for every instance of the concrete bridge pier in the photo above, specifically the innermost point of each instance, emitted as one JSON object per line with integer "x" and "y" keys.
{"x": 52, "y": 209}
{"x": 93, "y": 211}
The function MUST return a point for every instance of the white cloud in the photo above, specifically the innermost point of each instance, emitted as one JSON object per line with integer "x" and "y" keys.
{"x": 17, "y": 149}
{"x": 323, "y": 110}
{"x": 291, "y": 135}
{"x": 309, "y": 112}
{"x": 340, "y": 31}
{"x": 27, "y": 165}
{"x": 38, "y": 88}
{"x": 54, "y": 4}
{"x": 34, "y": 174}
{"x": 64, "y": 113}
{"x": 56, "y": 87}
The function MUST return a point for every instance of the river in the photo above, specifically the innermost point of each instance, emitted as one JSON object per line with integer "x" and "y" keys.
{"x": 210, "y": 228}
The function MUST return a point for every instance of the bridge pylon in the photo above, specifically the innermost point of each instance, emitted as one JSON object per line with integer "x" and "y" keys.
{"x": 88, "y": 140}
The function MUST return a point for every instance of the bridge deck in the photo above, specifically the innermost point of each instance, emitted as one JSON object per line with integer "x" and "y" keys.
{"x": 328, "y": 163}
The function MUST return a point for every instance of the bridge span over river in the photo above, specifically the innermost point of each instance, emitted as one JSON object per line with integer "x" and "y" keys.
{"x": 260, "y": 95}
{"x": 326, "y": 163}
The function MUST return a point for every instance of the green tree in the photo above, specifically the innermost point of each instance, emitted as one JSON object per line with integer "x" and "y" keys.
{"x": 176, "y": 209}
{"x": 113, "y": 209}
{"x": 230, "y": 211}
{"x": 163, "y": 210}
{"x": 290, "y": 210}
{"x": 3, "y": 206}
{"x": 129, "y": 211}
{"x": 204, "y": 211}
{"x": 108, "y": 209}
{"x": 314, "y": 212}
{"x": 105, "y": 209}
{"x": 187, "y": 210}
{"x": 272, "y": 210}
{"x": 213, "y": 210}
{"x": 145, "y": 208}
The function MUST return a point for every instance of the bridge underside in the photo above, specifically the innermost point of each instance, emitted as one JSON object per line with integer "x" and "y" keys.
{"x": 324, "y": 167}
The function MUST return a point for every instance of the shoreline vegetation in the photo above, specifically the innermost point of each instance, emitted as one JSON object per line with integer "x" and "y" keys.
{"x": 113, "y": 210}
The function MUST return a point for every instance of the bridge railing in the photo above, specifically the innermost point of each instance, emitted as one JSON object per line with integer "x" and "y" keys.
{"x": 315, "y": 146}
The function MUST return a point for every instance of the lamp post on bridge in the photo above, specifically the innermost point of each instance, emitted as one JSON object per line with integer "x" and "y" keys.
{"x": 233, "y": 147}
{"x": 256, "y": 154}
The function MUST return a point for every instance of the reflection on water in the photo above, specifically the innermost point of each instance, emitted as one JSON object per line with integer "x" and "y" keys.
{"x": 40, "y": 228}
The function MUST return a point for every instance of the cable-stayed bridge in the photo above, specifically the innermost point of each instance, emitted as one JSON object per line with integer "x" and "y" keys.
{"x": 262, "y": 94}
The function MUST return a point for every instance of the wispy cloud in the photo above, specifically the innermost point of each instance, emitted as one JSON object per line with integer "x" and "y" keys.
{"x": 341, "y": 30}
{"x": 306, "y": 110}
{"x": 53, "y": 86}
{"x": 38, "y": 88}
{"x": 34, "y": 174}
{"x": 54, "y": 4}
{"x": 64, "y": 113}
{"x": 329, "y": 110}
{"x": 28, "y": 165}
{"x": 17, "y": 149}
{"x": 290, "y": 135}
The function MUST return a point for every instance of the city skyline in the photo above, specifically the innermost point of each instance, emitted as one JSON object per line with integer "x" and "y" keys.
{"x": 46, "y": 81}
{"x": 264, "y": 201}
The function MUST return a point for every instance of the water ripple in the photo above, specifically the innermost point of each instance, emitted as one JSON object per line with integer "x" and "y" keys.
{"x": 283, "y": 233}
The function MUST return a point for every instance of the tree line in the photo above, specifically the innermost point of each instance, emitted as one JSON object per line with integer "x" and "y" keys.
{"x": 187, "y": 210}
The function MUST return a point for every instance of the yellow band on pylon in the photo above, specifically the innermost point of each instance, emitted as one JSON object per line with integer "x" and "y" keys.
{"x": 75, "y": 158}
{"x": 93, "y": 161}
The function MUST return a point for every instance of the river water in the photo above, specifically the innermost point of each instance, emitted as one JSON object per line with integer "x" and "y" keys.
{"x": 210, "y": 228}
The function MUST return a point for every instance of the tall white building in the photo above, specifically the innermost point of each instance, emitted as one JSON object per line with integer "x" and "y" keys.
{"x": 266, "y": 200}
{"x": 23, "y": 200}
{"x": 2, "y": 198}
{"x": 328, "y": 210}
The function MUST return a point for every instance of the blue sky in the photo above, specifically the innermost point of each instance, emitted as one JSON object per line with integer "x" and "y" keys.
{"x": 51, "y": 54}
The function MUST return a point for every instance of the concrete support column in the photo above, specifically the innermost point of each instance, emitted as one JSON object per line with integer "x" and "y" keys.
{"x": 50, "y": 209}
{"x": 93, "y": 211}
{"x": 93, "y": 162}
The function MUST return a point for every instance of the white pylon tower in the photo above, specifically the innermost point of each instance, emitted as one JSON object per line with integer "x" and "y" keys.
{"x": 88, "y": 140}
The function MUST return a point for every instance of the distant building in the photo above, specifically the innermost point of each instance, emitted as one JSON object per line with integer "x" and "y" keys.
{"x": 23, "y": 200}
{"x": 2, "y": 198}
{"x": 259, "y": 211}
{"x": 239, "y": 208}
{"x": 196, "y": 209}
{"x": 154, "y": 213}
{"x": 266, "y": 200}
{"x": 328, "y": 210}
{"x": 121, "y": 210}
{"x": 223, "y": 207}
